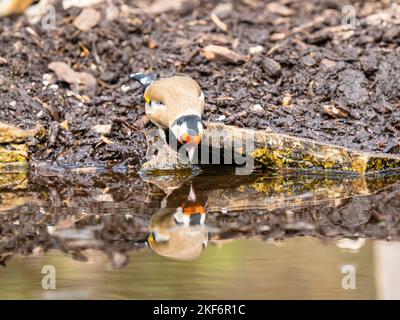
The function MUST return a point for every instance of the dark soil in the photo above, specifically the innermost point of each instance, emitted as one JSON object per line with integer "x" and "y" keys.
{"x": 356, "y": 74}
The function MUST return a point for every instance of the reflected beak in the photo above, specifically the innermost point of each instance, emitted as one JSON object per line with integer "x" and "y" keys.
{"x": 191, "y": 148}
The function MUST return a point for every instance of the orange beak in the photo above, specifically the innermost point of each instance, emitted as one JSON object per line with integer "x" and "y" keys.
{"x": 193, "y": 209}
{"x": 192, "y": 139}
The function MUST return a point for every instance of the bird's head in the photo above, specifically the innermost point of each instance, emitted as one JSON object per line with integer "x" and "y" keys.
{"x": 188, "y": 129}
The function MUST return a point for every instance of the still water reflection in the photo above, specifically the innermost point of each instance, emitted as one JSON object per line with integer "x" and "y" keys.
{"x": 213, "y": 235}
{"x": 298, "y": 268}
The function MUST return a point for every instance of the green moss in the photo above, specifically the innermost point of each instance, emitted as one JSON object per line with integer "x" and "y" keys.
{"x": 13, "y": 154}
{"x": 381, "y": 164}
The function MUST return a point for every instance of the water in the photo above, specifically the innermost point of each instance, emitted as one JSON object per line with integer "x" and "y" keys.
{"x": 213, "y": 235}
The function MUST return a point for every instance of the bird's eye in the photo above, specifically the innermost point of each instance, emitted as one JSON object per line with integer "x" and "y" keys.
{"x": 179, "y": 122}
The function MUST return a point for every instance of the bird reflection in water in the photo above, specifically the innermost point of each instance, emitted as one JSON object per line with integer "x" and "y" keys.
{"x": 178, "y": 230}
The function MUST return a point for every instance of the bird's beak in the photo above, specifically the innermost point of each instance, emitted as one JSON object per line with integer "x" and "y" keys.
{"x": 189, "y": 139}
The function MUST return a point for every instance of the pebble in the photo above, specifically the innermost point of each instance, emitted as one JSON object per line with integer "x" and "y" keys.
{"x": 272, "y": 67}
{"x": 257, "y": 108}
{"x": 222, "y": 117}
{"x": 287, "y": 101}
{"x": 256, "y": 49}
{"x": 125, "y": 88}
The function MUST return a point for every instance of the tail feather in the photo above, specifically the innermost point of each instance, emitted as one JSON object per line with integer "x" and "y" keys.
{"x": 144, "y": 79}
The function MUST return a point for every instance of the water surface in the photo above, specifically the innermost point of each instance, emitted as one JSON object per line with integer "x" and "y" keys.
{"x": 206, "y": 236}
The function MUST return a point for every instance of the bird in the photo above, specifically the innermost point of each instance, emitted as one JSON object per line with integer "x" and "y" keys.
{"x": 179, "y": 232}
{"x": 175, "y": 105}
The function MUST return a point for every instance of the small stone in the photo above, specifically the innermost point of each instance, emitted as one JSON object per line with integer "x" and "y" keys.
{"x": 152, "y": 44}
{"x": 328, "y": 64}
{"x": 271, "y": 67}
{"x": 3, "y": 61}
{"x": 256, "y": 49}
{"x": 112, "y": 13}
{"x": 222, "y": 117}
{"x": 257, "y": 108}
{"x": 87, "y": 19}
{"x": 102, "y": 128}
{"x": 142, "y": 121}
{"x": 352, "y": 86}
{"x": 286, "y": 101}
{"x": 47, "y": 79}
{"x": 223, "y": 10}
{"x": 278, "y": 36}
{"x": 110, "y": 77}
{"x": 125, "y": 88}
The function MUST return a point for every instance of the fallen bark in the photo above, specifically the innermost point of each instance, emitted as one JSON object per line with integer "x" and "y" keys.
{"x": 12, "y": 134}
{"x": 13, "y": 151}
{"x": 281, "y": 151}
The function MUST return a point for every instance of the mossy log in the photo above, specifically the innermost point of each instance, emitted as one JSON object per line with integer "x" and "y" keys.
{"x": 281, "y": 151}
{"x": 293, "y": 191}
{"x": 11, "y": 134}
{"x": 13, "y": 150}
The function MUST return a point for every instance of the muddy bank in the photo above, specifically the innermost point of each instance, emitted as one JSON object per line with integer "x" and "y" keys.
{"x": 311, "y": 78}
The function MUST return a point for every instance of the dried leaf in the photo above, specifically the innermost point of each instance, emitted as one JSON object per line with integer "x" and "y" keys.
{"x": 277, "y": 8}
{"x": 213, "y": 52}
{"x": 63, "y": 72}
{"x": 157, "y": 7}
{"x": 220, "y": 11}
{"x": 220, "y": 24}
{"x": 79, "y": 3}
{"x": 10, "y": 133}
{"x": 335, "y": 112}
{"x": 76, "y": 79}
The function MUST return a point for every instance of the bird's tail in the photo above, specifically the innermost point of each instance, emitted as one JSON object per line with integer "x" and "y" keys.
{"x": 144, "y": 79}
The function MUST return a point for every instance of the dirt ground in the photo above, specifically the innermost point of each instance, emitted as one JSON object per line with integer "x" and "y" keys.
{"x": 312, "y": 78}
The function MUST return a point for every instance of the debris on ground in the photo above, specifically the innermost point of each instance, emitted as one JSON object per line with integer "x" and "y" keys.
{"x": 343, "y": 82}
